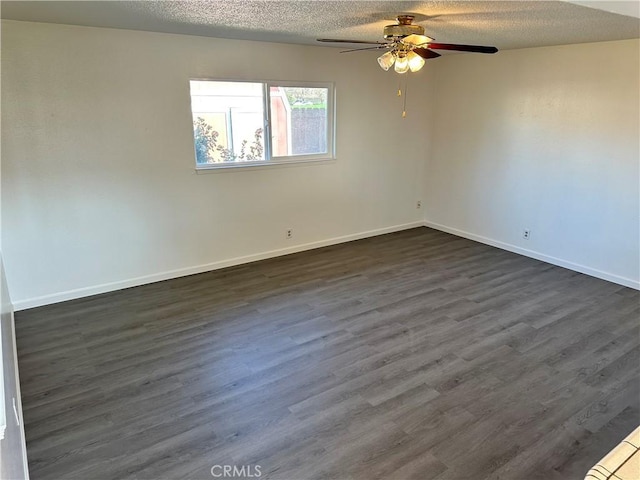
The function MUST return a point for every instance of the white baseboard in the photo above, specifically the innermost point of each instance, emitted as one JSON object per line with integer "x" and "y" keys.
{"x": 182, "y": 272}
{"x": 627, "y": 282}
{"x": 157, "y": 277}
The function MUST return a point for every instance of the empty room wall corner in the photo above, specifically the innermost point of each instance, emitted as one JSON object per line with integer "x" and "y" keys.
{"x": 611, "y": 277}
{"x": 537, "y": 151}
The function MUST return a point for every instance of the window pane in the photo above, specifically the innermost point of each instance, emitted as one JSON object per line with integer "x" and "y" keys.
{"x": 298, "y": 120}
{"x": 228, "y": 121}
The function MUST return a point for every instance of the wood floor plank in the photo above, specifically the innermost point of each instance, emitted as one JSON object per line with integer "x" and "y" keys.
{"x": 410, "y": 355}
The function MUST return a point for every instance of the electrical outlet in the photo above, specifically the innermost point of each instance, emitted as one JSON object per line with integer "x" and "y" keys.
{"x": 526, "y": 234}
{"x": 289, "y": 233}
{"x": 419, "y": 204}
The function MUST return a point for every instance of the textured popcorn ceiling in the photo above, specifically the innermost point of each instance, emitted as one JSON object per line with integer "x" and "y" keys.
{"x": 504, "y": 24}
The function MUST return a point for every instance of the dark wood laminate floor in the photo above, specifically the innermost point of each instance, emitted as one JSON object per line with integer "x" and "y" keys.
{"x": 411, "y": 355}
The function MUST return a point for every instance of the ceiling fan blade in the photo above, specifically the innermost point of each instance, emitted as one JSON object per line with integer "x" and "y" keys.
{"x": 365, "y": 48}
{"x": 463, "y": 48}
{"x": 335, "y": 40}
{"x": 426, "y": 53}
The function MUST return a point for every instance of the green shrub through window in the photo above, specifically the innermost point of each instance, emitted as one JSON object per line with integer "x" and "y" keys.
{"x": 249, "y": 123}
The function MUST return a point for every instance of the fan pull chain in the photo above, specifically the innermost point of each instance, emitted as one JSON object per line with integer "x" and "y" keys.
{"x": 400, "y": 94}
{"x": 404, "y": 100}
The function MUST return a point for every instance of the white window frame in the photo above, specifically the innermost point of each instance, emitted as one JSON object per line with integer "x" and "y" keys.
{"x": 330, "y": 155}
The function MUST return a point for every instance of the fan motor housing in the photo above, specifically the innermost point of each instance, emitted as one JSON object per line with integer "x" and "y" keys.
{"x": 404, "y": 28}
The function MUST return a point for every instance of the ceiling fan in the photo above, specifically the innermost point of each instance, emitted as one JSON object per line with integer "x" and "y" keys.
{"x": 408, "y": 47}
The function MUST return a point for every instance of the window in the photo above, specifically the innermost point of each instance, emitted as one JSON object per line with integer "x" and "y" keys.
{"x": 250, "y": 123}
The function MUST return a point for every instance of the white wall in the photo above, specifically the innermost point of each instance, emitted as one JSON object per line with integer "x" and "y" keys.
{"x": 545, "y": 139}
{"x": 99, "y": 190}
{"x": 98, "y": 182}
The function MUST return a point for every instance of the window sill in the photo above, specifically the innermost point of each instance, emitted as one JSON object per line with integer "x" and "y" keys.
{"x": 231, "y": 167}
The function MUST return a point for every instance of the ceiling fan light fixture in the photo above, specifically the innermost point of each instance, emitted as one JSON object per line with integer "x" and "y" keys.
{"x": 416, "y": 62}
{"x": 386, "y": 60}
{"x": 402, "y": 64}
{"x": 408, "y": 46}
{"x": 416, "y": 40}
